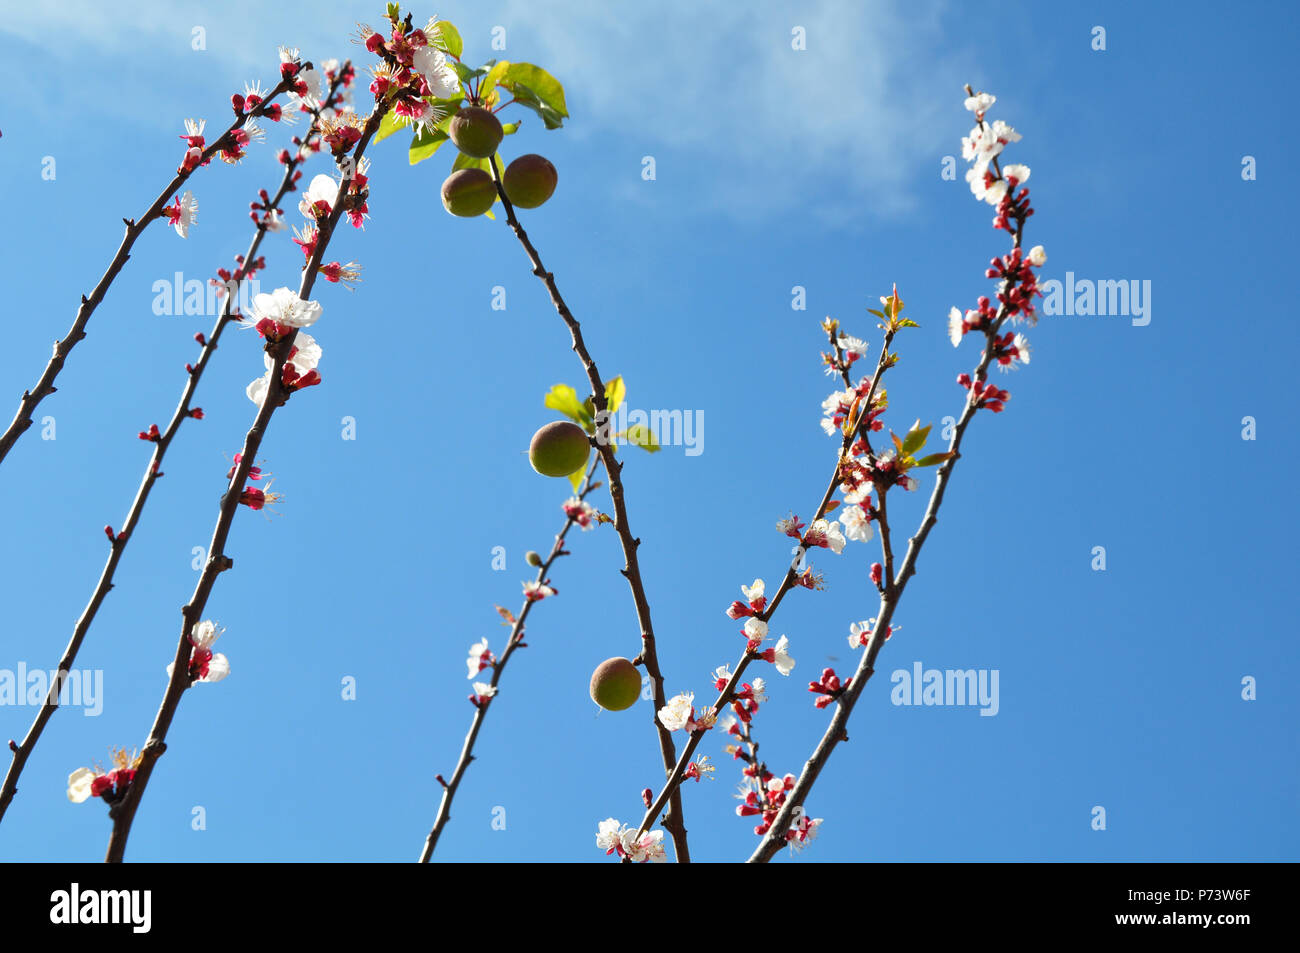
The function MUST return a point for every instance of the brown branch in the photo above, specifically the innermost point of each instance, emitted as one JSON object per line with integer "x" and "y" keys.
{"x": 45, "y": 386}
{"x": 152, "y": 474}
{"x": 837, "y": 731}
{"x": 792, "y": 574}
{"x": 673, "y": 822}
{"x": 516, "y": 631}
{"x": 123, "y": 813}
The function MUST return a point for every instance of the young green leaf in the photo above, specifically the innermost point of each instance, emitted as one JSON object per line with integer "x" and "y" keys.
{"x": 489, "y": 84}
{"x": 469, "y": 162}
{"x": 934, "y": 458}
{"x": 564, "y": 398}
{"x": 466, "y": 74}
{"x": 541, "y": 84}
{"x": 449, "y": 40}
{"x": 915, "y": 439}
{"x": 576, "y": 478}
{"x": 425, "y": 144}
{"x": 641, "y": 436}
{"x": 615, "y": 391}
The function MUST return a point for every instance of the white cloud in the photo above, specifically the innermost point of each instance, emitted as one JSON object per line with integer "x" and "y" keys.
{"x": 768, "y": 129}
{"x": 739, "y": 122}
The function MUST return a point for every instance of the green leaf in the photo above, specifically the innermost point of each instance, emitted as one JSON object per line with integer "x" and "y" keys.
{"x": 564, "y": 398}
{"x": 510, "y": 128}
{"x": 425, "y": 144}
{"x": 526, "y": 97}
{"x": 465, "y": 73}
{"x": 933, "y": 459}
{"x": 387, "y": 126}
{"x": 449, "y": 39}
{"x": 469, "y": 162}
{"x": 641, "y": 436}
{"x": 876, "y": 313}
{"x": 898, "y": 444}
{"x": 489, "y": 83}
{"x": 615, "y": 391}
{"x": 915, "y": 439}
{"x": 908, "y": 323}
{"x": 535, "y": 88}
{"x": 576, "y": 478}
{"x": 546, "y": 87}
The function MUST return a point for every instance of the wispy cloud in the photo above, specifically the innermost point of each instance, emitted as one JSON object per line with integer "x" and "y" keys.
{"x": 769, "y": 129}
{"x": 745, "y": 124}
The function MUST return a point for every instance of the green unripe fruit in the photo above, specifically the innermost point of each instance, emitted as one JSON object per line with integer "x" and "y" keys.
{"x": 532, "y": 558}
{"x": 475, "y": 132}
{"x": 559, "y": 449}
{"x": 468, "y": 193}
{"x": 616, "y": 684}
{"x": 529, "y": 180}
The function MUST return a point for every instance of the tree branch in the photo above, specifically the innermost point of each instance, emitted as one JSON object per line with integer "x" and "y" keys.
{"x": 449, "y": 788}
{"x": 45, "y": 386}
{"x": 674, "y": 822}
{"x": 123, "y": 813}
{"x": 152, "y": 473}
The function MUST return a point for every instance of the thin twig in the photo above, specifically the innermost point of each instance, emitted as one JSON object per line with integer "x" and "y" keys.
{"x": 837, "y": 730}
{"x": 123, "y": 813}
{"x": 791, "y": 576}
{"x": 152, "y": 473}
{"x": 134, "y": 227}
{"x": 480, "y": 713}
{"x": 673, "y": 822}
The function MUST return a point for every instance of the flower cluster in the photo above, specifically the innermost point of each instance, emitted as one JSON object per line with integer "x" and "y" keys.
{"x": 847, "y": 350}
{"x": 860, "y": 632}
{"x": 581, "y": 512}
{"x": 279, "y": 314}
{"x": 746, "y": 700}
{"x": 984, "y": 395}
{"x": 483, "y": 693}
{"x": 1014, "y": 271}
{"x": 182, "y": 213}
{"x": 318, "y": 201}
{"x": 480, "y": 657}
{"x": 415, "y": 71}
{"x": 756, "y": 600}
{"x": 226, "y": 278}
{"x": 836, "y": 408}
{"x": 299, "y": 369}
{"x": 828, "y": 687}
{"x": 535, "y": 591}
{"x": 110, "y": 785}
{"x": 196, "y": 145}
{"x": 204, "y": 665}
{"x": 679, "y": 713}
{"x": 615, "y": 838}
{"x": 702, "y": 767}
{"x": 826, "y": 535}
{"x": 234, "y": 147}
{"x": 763, "y": 794}
{"x": 253, "y": 497}
{"x": 779, "y": 656}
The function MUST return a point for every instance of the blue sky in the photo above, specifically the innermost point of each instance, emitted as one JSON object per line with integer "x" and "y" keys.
{"x": 775, "y": 168}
